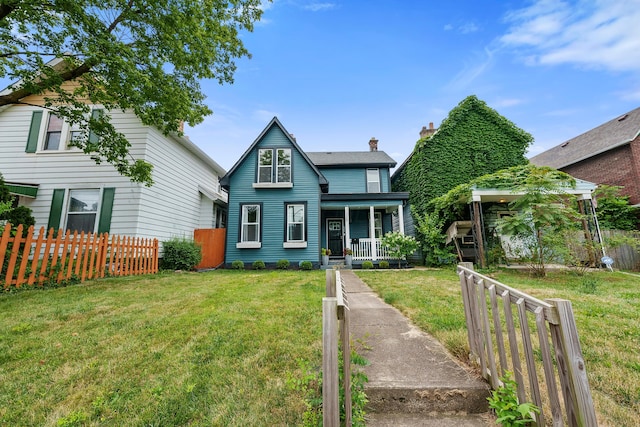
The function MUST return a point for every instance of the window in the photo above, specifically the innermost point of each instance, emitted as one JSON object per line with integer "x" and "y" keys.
{"x": 274, "y": 173}
{"x": 53, "y": 134}
{"x": 82, "y": 210}
{"x": 295, "y": 223}
{"x": 373, "y": 181}
{"x": 284, "y": 165}
{"x": 265, "y": 165}
{"x": 377, "y": 225}
{"x": 250, "y": 226}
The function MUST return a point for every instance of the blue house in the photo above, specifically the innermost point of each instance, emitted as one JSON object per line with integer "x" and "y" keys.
{"x": 285, "y": 203}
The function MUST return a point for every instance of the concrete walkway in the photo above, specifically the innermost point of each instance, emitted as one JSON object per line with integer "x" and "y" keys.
{"x": 413, "y": 380}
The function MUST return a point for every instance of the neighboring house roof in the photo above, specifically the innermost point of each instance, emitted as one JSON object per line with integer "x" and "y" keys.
{"x": 614, "y": 133}
{"x": 340, "y": 159}
{"x": 224, "y": 182}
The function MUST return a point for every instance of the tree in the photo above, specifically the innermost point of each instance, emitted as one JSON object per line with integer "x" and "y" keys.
{"x": 138, "y": 55}
{"x": 399, "y": 245}
{"x": 614, "y": 211}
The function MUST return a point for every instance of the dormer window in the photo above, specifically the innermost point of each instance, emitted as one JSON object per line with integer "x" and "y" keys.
{"x": 274, "y": 168}
{"x": 373, "y": 181}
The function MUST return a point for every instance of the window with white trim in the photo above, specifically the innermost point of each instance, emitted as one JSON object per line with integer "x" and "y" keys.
{"x": 295, "y": 223}
{"x": 272, "y": 171}
{"x": 250, "y": 229}
{"x": 265, "y": 165}
{"x": 82, "y": 210}
{"x": 373, "y": 181}
{"x": 377, "y": 225}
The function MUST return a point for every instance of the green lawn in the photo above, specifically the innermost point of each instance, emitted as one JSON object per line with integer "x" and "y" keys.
{"x": 174, "y": 349}
{"x": 606, "y": 306}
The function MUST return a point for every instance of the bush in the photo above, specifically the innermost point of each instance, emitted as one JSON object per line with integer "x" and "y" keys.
{"x": 367, "y": 265}
{"x": 257, "y": 265}
{"x": 282, "y": 264}
{"x": 237, "y": 265}
{"x": 384, "y": 264}
{"x": 306, "y": 265}
{"x": 180, "y": 254}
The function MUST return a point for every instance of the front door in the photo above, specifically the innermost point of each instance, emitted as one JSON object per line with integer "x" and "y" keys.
{"x": 335, "y": 236}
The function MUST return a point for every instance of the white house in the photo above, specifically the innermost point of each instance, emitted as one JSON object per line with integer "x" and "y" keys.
{"x": 66, "y": 189}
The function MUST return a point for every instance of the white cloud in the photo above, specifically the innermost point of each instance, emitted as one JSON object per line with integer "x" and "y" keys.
{"x": 468, "y": 28}
{"x": 263, "y": 116}
{"x": 472, "y": 71}
{"x": 448, "y": 27}
{"x": 592, "y": 33}
{"x": 316, "y": 7}
{"x": 507, "y": 102}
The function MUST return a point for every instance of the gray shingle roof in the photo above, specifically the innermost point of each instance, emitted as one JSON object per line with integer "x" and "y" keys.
{"x": 351, "y": 158}
{"x": 614, "y": 133}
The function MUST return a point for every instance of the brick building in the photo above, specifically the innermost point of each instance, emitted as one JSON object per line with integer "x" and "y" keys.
{"x": 608, "y": 154}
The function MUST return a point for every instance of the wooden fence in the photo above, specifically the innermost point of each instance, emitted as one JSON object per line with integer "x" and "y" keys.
{"x": 335, "y": 317}
{"x": 57, "y": 256}
{"x": 212, "y": 241}
{"x": 625, "y": 257}
{"x": 491, "y": 329}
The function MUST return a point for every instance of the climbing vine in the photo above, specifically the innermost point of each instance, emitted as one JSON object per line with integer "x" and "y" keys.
{"x": 474, "y": 140}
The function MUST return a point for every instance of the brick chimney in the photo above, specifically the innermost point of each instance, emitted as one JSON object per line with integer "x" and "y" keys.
{"x": 424, "y": 132}
{"x": 373, "y": 144}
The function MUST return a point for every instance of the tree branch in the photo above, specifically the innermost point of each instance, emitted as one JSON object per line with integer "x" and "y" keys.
{"x": 6, "y": 9}
{"x": 18, "y": 94}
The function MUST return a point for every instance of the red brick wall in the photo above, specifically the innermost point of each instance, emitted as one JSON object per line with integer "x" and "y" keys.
{"x": 620, "y": 166}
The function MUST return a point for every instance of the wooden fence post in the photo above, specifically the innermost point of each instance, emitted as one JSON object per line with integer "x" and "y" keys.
{"x": 573, "y": 373}
{"x": 330, "y": 398}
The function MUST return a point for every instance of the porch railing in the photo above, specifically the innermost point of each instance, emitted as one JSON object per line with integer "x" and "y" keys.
{"x": 362, "y": 250}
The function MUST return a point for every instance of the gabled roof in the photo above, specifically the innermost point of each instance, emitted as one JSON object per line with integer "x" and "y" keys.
{"x": 337, "y": 159}
{"x": 224, "y": 182}
{"x": 614, "y": 133}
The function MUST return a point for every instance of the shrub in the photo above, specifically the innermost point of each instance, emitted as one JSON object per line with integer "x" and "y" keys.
{"x": 237, "y": 265}
{"x": 384, "y": 264}
{"x": 306, "y": 265}
{"x": 258, "y": 265}
{"x": 367, "y": 265}
{"x": 180, "y": 254}
{"x": 282, "y": 264}
{"x": 504, "y": 401}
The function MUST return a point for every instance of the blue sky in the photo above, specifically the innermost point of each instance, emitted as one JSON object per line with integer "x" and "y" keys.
{"x": 337, "y": 73}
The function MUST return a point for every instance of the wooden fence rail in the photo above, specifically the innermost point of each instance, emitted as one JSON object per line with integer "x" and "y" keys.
{"x": 31, "y": 259}
{"x": 493, "y": 329}
{"x": 335, "y": 317}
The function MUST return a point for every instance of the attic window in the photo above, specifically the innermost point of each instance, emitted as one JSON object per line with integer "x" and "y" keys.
{"x": 622, "y": 117}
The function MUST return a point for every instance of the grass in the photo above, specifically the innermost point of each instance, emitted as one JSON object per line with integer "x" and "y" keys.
{"x": 606, "y": 306}
{"x": 175, "y": 349}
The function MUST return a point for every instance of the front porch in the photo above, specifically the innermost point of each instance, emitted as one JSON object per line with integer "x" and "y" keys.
{"x": 358, "y": 226}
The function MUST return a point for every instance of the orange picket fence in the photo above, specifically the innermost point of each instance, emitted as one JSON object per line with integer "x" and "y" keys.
{"x": 31, "y": 259}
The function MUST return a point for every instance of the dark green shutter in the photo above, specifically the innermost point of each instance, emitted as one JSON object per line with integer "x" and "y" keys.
{"x": 95, "y": 114}
{"x": 106, "y": 208}
{"x": 34, "y": 132}
{"x": 56, "y": 208}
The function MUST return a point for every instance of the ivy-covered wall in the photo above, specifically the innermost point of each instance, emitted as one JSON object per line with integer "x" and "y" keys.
{"x": 474, "y": 140}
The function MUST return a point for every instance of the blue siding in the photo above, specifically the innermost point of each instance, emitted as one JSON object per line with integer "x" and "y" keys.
{"x": 305, "y": 189}
{"x": 353, "y": 180}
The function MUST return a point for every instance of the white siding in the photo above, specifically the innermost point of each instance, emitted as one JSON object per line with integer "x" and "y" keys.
{"x": 171, "y": 207}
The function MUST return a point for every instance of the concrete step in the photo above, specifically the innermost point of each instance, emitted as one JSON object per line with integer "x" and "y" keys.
{"x": 411, "y": 375}
{"x": 422, "y": 420}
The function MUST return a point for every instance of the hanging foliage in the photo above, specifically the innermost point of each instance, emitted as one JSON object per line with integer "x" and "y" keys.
{"x": 474, "y": 140}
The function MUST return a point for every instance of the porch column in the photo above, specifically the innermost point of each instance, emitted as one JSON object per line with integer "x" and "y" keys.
{"x": 401, "y": 218}
{"x": 372, "y": 233}
{"x": 347, "y": 229}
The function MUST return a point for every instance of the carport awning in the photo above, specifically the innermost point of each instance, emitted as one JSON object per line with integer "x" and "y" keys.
{"x": 21, "y": 189}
